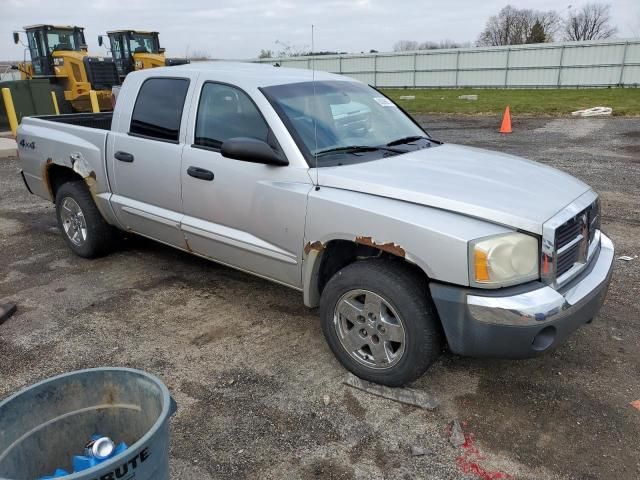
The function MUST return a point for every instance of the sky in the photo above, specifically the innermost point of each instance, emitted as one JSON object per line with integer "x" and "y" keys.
{"x": 239, "y": 29}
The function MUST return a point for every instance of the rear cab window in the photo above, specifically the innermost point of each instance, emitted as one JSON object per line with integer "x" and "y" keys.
{"x": 157, "y": 113}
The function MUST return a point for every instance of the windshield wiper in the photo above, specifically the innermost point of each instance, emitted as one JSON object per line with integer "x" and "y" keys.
{"x": 358, "y": 149}
{"x": 404, "y": 140}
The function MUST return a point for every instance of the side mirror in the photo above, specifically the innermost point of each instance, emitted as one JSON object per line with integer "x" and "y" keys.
{"x": 100, "y": 41}
{"x": 252, "y": 150}
{"x": 162, "y": 50}
{"x": 16, "y": 38}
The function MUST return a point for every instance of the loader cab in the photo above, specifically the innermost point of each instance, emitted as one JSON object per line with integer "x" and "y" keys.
{"x": 49, "y": 44}
{"x": 134, "y": 50}
{"x": 137, "y": 50}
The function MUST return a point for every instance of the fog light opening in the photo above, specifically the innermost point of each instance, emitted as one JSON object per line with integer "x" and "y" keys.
{"x": 544, "y": 339}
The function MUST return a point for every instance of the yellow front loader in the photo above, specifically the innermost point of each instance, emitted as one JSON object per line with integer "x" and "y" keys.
{"x": 59, "y": 53}
{"x": 137, "y": 50}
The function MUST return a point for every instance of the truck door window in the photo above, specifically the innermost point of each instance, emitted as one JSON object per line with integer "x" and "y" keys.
{"x": 158, "y": 109}
{"x": 226, "y": 112}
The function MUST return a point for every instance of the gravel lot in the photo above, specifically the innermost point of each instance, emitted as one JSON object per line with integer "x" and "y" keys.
{"x": 249, "y": 367}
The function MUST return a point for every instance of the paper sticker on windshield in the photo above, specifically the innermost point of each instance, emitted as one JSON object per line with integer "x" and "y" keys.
{"x": 385, "y": 102}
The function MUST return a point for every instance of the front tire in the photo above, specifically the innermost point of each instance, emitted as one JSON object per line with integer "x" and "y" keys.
{"x": 380, "y": 322}
{"x": 82, "y": 226}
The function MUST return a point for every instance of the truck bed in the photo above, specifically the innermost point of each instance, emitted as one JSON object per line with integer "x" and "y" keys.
{"x": 101, "y": 121}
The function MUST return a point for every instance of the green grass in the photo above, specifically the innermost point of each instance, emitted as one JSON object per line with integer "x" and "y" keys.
{"x": 555, "y": 102}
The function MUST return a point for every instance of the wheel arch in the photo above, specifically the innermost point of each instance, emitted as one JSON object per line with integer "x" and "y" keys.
{"x": 323, "y": 259}
{"x": 55, "y": 175}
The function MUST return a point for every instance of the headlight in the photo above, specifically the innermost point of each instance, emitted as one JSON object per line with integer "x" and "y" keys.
{"x": 58, "y": 62}
{"x": 503, "y": 260}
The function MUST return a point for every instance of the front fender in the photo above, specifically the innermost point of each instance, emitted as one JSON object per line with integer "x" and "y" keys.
{"x": 433, "y": 239}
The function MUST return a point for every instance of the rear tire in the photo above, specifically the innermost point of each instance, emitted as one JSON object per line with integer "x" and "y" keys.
{"x": 82, "y": 226}
{"x": 380, "y": 322}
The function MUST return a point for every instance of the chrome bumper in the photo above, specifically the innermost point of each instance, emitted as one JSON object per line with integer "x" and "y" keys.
{"x": 522, "y": 321}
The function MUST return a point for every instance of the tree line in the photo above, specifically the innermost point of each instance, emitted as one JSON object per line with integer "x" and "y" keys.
{"x": 518, "y": 26}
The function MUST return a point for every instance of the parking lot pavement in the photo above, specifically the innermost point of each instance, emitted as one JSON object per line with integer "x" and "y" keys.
{"x": 250, "y": 370}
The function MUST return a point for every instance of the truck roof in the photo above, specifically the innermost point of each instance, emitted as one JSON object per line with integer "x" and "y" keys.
{"x": 243, "y": 74}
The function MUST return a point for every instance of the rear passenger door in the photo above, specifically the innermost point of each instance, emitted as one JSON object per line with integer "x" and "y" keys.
{"x": 247, "y": 215}
{"x": 144, "y": 158}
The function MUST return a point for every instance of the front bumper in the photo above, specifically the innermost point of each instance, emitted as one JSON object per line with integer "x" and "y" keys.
{"x": 526, "y": 320}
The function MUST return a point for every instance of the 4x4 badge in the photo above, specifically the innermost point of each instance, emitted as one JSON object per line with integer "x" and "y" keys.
{"x": 25, "y": 144}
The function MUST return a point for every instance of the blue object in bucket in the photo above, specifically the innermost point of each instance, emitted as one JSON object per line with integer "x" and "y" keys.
{"x": 57, "y": 474}
{"x": 82, "y": 462}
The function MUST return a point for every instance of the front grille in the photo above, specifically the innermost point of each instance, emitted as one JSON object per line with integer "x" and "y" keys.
{"x": 568, "y": 232}
{"x": 101, "y": 73}
{"x": 572, "y": 238}
{"x": 568, "y": 259}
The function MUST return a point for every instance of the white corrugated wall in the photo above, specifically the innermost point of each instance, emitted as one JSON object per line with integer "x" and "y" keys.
{"x": 571, "y": 64}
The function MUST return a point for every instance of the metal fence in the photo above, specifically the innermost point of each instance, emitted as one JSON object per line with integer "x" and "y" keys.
{"x": 547, "y": 65}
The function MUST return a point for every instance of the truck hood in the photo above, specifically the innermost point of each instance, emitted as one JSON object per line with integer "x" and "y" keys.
{"x": 492, "y": 186}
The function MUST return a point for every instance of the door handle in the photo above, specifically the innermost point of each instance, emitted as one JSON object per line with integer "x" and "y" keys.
{"x": 200, "y": 173}
{"x": 123, "y": 157}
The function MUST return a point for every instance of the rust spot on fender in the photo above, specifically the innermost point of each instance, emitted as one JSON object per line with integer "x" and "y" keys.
{"x": 388, "y": 247}
{"x": 317, "y": 246}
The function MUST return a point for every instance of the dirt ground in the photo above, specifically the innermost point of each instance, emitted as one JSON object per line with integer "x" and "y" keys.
{"x": 249, "y": 368}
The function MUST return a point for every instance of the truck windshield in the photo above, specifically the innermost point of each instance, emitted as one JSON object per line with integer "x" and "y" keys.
{"x": 337, "y": 122}
{"x": 62, "y": 40}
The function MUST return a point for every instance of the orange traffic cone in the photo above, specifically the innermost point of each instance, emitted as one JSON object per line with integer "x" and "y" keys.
{"x": 506, "y": 121}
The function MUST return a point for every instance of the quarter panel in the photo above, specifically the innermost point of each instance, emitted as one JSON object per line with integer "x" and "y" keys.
{"x": 78, "y": 148}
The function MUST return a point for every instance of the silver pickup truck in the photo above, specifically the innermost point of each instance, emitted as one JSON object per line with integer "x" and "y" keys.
{"x": 326, "y": 186}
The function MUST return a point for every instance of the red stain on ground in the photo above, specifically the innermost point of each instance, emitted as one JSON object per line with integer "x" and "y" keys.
{"x": 635, "y": 404}
{"x": 468, "y": 462}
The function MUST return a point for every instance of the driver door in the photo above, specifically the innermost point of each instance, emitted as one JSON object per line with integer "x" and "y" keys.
{"x": 247, "y": 215}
